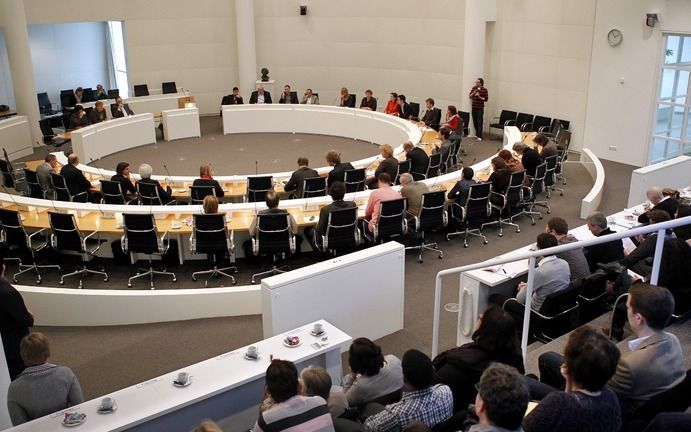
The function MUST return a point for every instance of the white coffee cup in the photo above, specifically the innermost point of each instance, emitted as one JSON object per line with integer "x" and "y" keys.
{"x": 183, "y": 377}
{"x": 318, "y": 328}
{"x": 252, "y": 351}
{"x": 107, "y": 403}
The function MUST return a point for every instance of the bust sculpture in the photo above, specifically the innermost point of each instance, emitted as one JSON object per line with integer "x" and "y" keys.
{"x": 265, "y": 74}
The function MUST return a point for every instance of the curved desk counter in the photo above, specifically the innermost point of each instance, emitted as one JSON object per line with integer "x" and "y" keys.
{"x": 142, "y": 104}
{"x": 100, "y": 139}
{"x": 15, "y": 137}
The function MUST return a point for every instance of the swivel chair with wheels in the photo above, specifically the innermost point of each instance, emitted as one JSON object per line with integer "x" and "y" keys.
{"x": 210, "y": 236}
{"x": 355, "y": 180}
{"x": 198, "y": 193}
{"x": 111, "y": 193}
{"x": 341, "y": 232}
{"x": 392, "y": 221}
{"x": 257, "y": 187}
{"x": 476, "y": 209}
{"x": 432, "y": 215}
{"x": 62, "y": 193}
{"x": 141, "y": 236}
{"x": 273, "y": 237}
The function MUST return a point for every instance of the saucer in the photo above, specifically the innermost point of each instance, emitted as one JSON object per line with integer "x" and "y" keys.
{"x": 248, "y": 357}
{"x": 182, "y": 190}
{"x": 286, "y": 344}
{"x": 178, "y": 384}
{"x": 321, "y": 333}
{"x": 82, "y": 419}
{"x": 109, "y": 411}
{"x": 175, "y": 226}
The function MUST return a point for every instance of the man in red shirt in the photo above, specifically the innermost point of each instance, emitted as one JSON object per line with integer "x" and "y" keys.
{"x": 478, "y": 96}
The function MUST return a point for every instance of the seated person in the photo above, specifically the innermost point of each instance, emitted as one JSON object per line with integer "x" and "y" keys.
{"x": 337, "y": 191}
{"x": 389, "y": 165}
{"x": 233, "y": 98}
{"x": 659, "y": 202}
{"x": 494, "y": 340}
{"x": 404, "y": 108}
{"x": 166, "y": 195}
{"x": 345, "y": 100}
{"x": 100, "y": 93}
{"x": 500, "y": 178}
{"x": 122, "y": 175}
{"x": 272, "y": 200}
{"x": 44, "y": 171}
{"x": 310, "y": 98}
{"x": 372, "y": 375}
{"x": 419, "y": 161}
{"x": 297, "y": 179}
{"x": 578, "y": 265}
{"x": 260, "y": 96}
{"x": 459, "y": 192}
{"x": 412, "y": 191}
{"x": 422, "y": 401}
{"x": 530, "y": 158}
{"x": 368, "y": 102}
{"x": 512, "y": 163}
{"x": 445, "y": 147}
{"x": 545, "y": 147}
{"x": 316, "y": 381}
{"x": 586, "y": 404}
{"x": 42, "y": 388}
{"x": 78, "y": 118}
{"x": 432, "y": 117}
{"x": 98, "y": 114}
{"x": 206, "y": 179}
{"x": 287, "y": 96}
{"x": 78, "y": 95}
{"x": 121, "y": 109}
{"x": 383, "y": 192}
{"x": 392, "y": 105}
{"x": 683, "y": 232}
{"x": 286, "y": 408}
{"x": 605, "y": 252}
{"x": 337, "y": 174}
{"x": 74, "y": 178}
{"x": 207, "y": 426}
{"x": 452, "y": 119}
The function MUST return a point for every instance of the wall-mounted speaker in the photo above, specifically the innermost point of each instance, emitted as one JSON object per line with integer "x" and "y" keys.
{"x": 303, "y": 10}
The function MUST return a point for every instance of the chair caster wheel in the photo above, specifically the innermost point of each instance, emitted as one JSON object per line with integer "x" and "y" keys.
{"x": 38, "y": 281}
{"x": 105, "y": 279}
{"x": 62, "y": 282}
{"x": 465, "y": 245}
{"x": 129, "y": 285}
{"x": 15, "y": 280}
{"x": 175, "y": 279}
{"x": 541, "y": 217}
{"x": 519, "y": 230}
{"x": 485, "y": 242}
{"x": 194, "y": 278}
{"x": 501, "y": 234}
{"x": 441, "y": 256}
{"x": 561, "y": 194}
{"x": 549, "y": 211}
{"x": 234, "y": 282}
{"x": 533, "y": 223}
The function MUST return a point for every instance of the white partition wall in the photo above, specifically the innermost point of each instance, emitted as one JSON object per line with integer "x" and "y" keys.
{"x": 15, "y": 136}
{"x": 180, "y": 123}
{"x": 360, "y": 293}
{"x": 96, "y": 141}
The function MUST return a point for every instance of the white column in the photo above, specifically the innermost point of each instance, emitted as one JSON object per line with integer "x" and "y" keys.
{"x": 19, "y": 54}
{"x": 247, "y": 53}
{"x": 477, "y": 13}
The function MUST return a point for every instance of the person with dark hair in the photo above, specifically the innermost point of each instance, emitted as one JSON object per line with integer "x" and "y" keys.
{"x": 78, "y": 118}
{"x": 659, "y": 201}
{"x": 272, "y": 200}
{"x": 432, "y": 117}
{"x": 288, "y": 409}
{"x": 445, "y": 147}
{"x": 44, "y": 171}
{"x": 589, "y": 362}
{"x": 372, "y": 375}
{"x": 452, "y": 118}
{"x": 122, "y": 176}
{"x": 683, "y": 232}
{"x": 530, "y": 158}
{"x": 421, "y": 401}
{"x": 392, "y": 105}
{"x": 459, "y": 191}
{"x": 501, "y": 400}
{"x": 15, "y": 320}
{"x": 512, "y": 163}
{"x": 545, "y": 147}
{"x": 478, "y": 96}
{"x": 98, "y": 114}
{"x": 337, "y": 174}
{"x": 404, "y": 108}
{"x": 310, "y": 98}
{"x": 233, "y": 98}
{"x": 419, "y": 161}
{"x": 494, "y": 340}
{"x": 337, "y": 191}
{"x": 384, "y": 192}
{"x": 578, "y": 265}
{"x": 288, "y": 96}
{"x": 297, "y": 179}
{"x": 605, "y": 252}
{"x": 368, "y": 102}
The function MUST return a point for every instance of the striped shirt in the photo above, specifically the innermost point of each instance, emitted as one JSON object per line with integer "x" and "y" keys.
{"x": 478, "y": 97}
{"x": 431, "y": 406}
{"x": 297, "y": 414}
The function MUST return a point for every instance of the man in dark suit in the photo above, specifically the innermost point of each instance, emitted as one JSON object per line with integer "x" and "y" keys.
{"x": 333, "y": 158}
{"x": 337, "y": 191}
{"x": 659, "y": 202}
{"x": 120, "y": 109}
{"x": 260, "y": 96}
{"x": 15, "y": 320}
{"x": 74, "y": 178}
{"x": 389, "y": 166}
{"x": 404, "y": 108}
{"x": 166, "y": 195}
{"x": 232, "y": 99}
{"x": 297, "y": 180}
{"x": 530, "y": 158}
{"x": 419, "y": 161}
{"x": 287, "y": 96}
{"x": 432, "y": 117}
{"x": 605, "y": 252}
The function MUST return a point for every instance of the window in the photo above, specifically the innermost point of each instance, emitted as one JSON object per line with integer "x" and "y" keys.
{"x": 116, "y": 39}
{"x": 672, "y": 128}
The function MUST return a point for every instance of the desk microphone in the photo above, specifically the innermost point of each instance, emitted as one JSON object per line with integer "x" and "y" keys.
{"x": 254, "y": 194}
{"x": 97, "y": 168}
{"x": 11, "y": 195}
{"x": 169, "y": 176}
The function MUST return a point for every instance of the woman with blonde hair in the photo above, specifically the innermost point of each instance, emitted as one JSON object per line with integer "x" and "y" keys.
{"x": 316, "y": 381}
{"x": 346, "y": 100}
{"x": 206, "y": 179}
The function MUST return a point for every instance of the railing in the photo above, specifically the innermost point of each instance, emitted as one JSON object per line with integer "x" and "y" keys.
{"x": 532, "y": 255}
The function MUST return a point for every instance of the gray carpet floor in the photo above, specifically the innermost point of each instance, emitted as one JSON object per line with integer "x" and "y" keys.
{"x": 109, "y": 358}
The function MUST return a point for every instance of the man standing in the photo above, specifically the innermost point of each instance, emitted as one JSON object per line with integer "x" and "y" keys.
{"x": 120, "y": 109}
{"x": 74, "y": 178}
{"x": 44, "y": 171}
{"x": 287, "y": 96}
{"x": 478, "y": 96}
{"x": 337, "y": 191}
{"x": 297, "y": 180}
{"x": 260, "y": 96}
{"x": 419, "y": 161}
{"x": 605, "y": 252}
{"x": 15, "y": 320}
{"x": 578, "y": 265}
{"x": 432, "y": 117}
{"x": 412, "y": 191}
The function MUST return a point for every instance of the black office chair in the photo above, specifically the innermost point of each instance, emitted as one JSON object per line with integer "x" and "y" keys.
{"x": 88, "y": 95}
{"x": 48, "y": 133}
{"x": 415, "y": 110}
{"x": 674, "y": 400}
{"x": 314, "y": 187}
{"x": 8, "y": 178}
{"x": 210, "y": 236}
{"x": 62, "y": 193}
{"x": 141, "y": 236}
{"x": 506, "y": 118}
{"x": 403, "y": 167}
{"x": 111, "y": 193}
{"x": 141, "y": 90}
{"x": 45, "y": 107}
{"x": 169, "y": 87}
{"x": 351, "y": 101}
{"x": 34, "y": 189}
{"x": 563, "y": 141}
{"x": 555, "y": 127}
{"x": 453, "y": 161}
{"x": 198, "y": 193}
{"x": 15, "y": 237}
{"x": 592, "y": 296}
{"x": 474, "y": 211}
{"x": 341, "y": 232}
{"x": 67, "y": 99}
{"x": 523, "y": 121}
{"x": 392, "y": 221}
{"x": 113, "y": 93}
{"x": 273, "y": 237}
{"x": 539, "y": 124}
{"x": 432, "y": 216}
{"x": 148, "y": 194}
{"x": 257, "y": 187}
{"x": 434, "y": 165}
{"x": 66, "y": 236}
{"x": 531, "y": 194}
{"x": 355, "y": 180}
{"x": 551, "y": 175}
{"x": 509, "y": 201}
{"x": 465, "y": 116}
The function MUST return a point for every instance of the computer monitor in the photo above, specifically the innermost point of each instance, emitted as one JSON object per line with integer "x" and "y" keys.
{"x": 169, "y": 87}
{"x": 113, "y": 93}
{"x": 44, "y": 102}
{"x": 88, "y": 95}
{"x": 141, "y": 90}
{"x": 67, "y": 99}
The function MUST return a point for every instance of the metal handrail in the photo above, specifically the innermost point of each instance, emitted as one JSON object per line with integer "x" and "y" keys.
{"x": 533, "y": 255}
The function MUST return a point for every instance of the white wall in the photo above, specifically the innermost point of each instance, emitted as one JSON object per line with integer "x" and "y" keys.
{"x": 66, "y": 56}
{"x": 6, "y": 91}
{"x": 407, "y": 46}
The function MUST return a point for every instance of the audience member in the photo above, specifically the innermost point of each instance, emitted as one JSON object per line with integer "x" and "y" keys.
{"x": 289, "y": 409}
{"x": 494, "y": 340}
{"x": 500, "y": 178}
{"x": 44, "y": 171}
{"x": 392, "y": 105}
{"x": 432, "y": 117}
{"x": 384, "y": 192}
{"x": 337, "y": 174}
{"x": 207, "y": 426}
{"x": 389, "y": 165}
{"x": 287, "y": 96}
{"x": 260, "y": 96}
{"x": 337, "y": 191}
{"x": 345, "y": 100}
{"x": 123, "y": 176}
{"x": 459, "y": 191}
{"x": 452, "y": 118}
{"x": 546, "y": 147}
{"x": 659, "y": 202}
{"x": 419, "y": 161}
{"x": 368, "y": 102}
{"x": 605, "y": 252}
{"x": 15, "y": 320}
{"x": 404, "y": 108}
{"x": 42, "y": 388}
{"x": 78, "y": 118}
{"x": 297, "y": 179}
{"x": 206, "y": 179}
{"x": 530, "y": 158}
{"x": 478, "y": 96}
{"x": 372, "y": 375}
{"x": 316, "y": 381}
{"x": 98, "y": 114}
{"x": 100, "y": 93}
{"x": 683, "y": 232}
{"x": 78, "y": 96}
{"x": 74, "y": 178}
{"x": 412, "y": 191}
{"x": 422, "y": 401}
{"x": 501, "y": 400}
{"x": 120, "y": 109}
{"x": 310, "y": 98}
{"x": 512, "y": 163}
{"x": 578, "y": 265}
{"x": 589, "y": 362}
{"x": 145, "y": 172}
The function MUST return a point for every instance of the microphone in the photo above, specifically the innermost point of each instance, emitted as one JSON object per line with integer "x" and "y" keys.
{"x": 169, "y": 176}
{"x": 97, "y": 168}
{"x": 254, "y": 195}
{"x": 11, "y": 196}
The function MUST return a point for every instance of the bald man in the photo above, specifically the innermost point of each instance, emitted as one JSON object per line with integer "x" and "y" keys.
{"x": 659, "y": 202}
{"x": 75, "y": 180}
{"x": 260, "y": 96}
